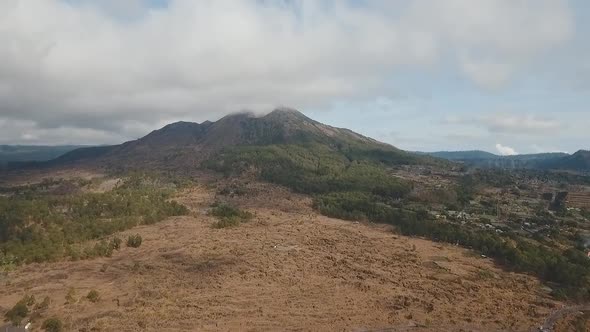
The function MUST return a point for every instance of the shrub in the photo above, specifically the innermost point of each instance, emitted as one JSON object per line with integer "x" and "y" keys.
{"x": 222, "y": 210}
{"x": 17, "y": 313}
{"x": 43, "y": 305}
{"x": 115, "y": 243}
{"x": 134, "y": 241}
{"x": 93, "y": 296}
{"x": 7, "y": 262}
{"x": 103, "y": 249}
{"x": 29, "y": 300}
{"x": 227, "y": 222}
{"x": 71, "y": 296}
{"x": 228, "y": 215}
{"x": 52, "y": 325}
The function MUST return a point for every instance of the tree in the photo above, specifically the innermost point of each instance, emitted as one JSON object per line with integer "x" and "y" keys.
{"x": 134, "y": 241}
{"x": 17, "y": 313}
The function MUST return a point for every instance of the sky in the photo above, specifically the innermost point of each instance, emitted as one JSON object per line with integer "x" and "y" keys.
{"x": 505, "y": 76}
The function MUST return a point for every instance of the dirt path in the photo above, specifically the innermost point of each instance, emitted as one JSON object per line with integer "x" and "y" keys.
{"x": 556, "y": 315}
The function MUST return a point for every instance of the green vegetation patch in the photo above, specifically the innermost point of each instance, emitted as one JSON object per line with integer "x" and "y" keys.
{"x": 134, "y": 241}
{"x": 317, "y": 169}
{"x": 37, "y": 227}
{"x": 93, "y": 296}
{"x": 53, "y": 325}
{"x": 229, "y": 216}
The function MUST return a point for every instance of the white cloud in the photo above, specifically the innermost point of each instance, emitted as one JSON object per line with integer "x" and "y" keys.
{"x": 491, "y": 39}
{"x": 505, "y": 150}
{"x": 520, "y": 124}
{"x": 29, "y": 137}
{"x": 488, "y": 75}
{"x": 102, "y": 67}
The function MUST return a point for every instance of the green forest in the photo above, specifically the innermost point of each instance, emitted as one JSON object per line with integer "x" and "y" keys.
{"x": 36, "y": 226}
{"x": 315, "y": 169}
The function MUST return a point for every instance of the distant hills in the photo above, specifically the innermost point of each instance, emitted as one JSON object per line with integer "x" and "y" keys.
{"x": 579, "y": 161}
{"x": 462, "y": 155}
{"x": 24, "y": 153}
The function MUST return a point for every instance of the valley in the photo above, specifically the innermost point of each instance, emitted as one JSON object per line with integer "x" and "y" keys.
{"x": 279, "y": 222}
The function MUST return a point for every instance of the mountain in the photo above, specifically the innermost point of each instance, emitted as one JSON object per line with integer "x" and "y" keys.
{"x": 187, "y": 145}
{"x": 24, "y": 153}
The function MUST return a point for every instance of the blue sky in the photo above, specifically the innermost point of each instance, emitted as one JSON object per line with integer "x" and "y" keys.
{"x": 506, "y": 76}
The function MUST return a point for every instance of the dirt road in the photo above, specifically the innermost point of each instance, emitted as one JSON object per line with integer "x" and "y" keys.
{"x": 558, "y": 314}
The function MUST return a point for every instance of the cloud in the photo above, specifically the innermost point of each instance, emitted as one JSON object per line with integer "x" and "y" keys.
{"x": 491, "y": 39}
{"x": 488, "y": 75}
{"x": 520, "y": 124}
{"x": 507, "y": 123}
{"x": 107, "y": 69}
{"x": 505, "y": 150}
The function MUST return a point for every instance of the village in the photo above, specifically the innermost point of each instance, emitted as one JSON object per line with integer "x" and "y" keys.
{"x": 543, "y": 210}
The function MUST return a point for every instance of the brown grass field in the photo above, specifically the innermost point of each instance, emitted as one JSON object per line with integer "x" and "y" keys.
{"x": 288, "y": 269}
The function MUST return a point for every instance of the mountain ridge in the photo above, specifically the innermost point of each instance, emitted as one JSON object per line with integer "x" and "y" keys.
{"x": 578, "y": 161}
{"x": 32, "y": 153}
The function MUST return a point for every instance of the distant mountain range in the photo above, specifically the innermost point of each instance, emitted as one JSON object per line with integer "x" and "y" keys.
{"x": 579, "y": 161}
{"x": 23, "y": 153}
